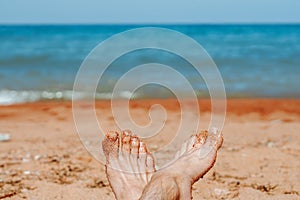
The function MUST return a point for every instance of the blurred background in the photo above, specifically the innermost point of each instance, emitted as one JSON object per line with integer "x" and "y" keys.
{"x": 255, "y": 44}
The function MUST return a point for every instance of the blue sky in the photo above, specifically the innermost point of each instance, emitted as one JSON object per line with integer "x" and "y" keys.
{"x": 149, "y": 11}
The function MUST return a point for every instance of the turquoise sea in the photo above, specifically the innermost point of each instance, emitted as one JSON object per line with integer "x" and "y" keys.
{"x": 40, "y": 62}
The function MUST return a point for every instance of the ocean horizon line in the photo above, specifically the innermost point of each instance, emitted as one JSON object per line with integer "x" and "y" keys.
{"x": 157, "y": 24}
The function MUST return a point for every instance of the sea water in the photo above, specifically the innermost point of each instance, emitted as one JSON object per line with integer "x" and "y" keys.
{"x": 40, "y": 62}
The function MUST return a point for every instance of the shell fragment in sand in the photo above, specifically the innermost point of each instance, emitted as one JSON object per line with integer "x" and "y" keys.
{"x": 4, "y": 137}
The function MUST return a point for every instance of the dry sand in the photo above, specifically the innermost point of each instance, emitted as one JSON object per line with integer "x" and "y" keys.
{"x": 260, "y": 157}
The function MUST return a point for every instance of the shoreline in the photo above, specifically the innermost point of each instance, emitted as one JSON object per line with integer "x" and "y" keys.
{"x": 237, "y": 106}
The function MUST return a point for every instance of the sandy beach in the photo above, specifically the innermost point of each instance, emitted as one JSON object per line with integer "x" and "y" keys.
{"x": 44, "y": 159}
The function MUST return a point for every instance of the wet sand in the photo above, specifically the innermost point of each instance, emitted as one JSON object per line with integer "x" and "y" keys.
{"x": 260, "y": 157}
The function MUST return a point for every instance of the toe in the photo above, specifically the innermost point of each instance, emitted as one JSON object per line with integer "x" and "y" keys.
{"x": 126, "y": 138}
{"x": 220, "y": 142}
{"x": 110, "y": 145}
{"x": 199, "y": 139}
{"x": 150, "y": 163}
{"x": 213, "y": 140}
{"x": 191, "y": 142}
{"x": 135, "y": 145}
{"x": 142, "y": 157}
{"x": 142, "y": 148}
{"x": 126, "y": 133}
{"x": 112, "y": 136}
{"x": 202, "y": 137}
{"x": 216, "y": 138}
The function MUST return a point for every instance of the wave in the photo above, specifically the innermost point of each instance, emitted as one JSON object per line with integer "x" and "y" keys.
{"x": 9, "y": 97}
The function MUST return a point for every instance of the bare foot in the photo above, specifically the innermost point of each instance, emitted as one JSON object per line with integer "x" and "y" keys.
{"x": 196, "y": 157}
{"x": 129, "y": 166}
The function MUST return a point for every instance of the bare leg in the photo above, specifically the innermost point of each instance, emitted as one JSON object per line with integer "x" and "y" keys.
{"x": 129, "y": 166}
{"x": 195, "y": 159}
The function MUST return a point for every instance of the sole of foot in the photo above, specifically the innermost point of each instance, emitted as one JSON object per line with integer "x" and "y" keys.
{"x": 129, "y": 165}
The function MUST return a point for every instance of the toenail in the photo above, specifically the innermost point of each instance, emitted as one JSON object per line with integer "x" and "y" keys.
{"x": 126, "y": 132}
{"x": 112, "y": 135}
{"x": 134, "y": 141}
